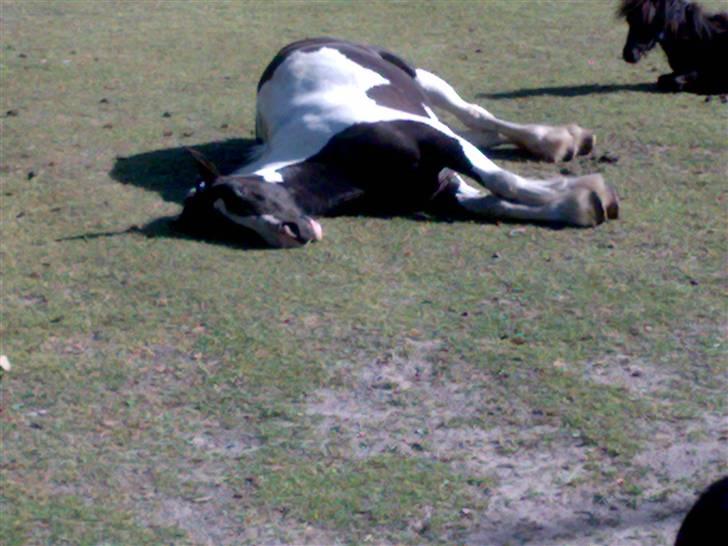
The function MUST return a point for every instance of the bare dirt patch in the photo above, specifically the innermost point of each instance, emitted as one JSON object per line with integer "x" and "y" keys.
{"x": 549, "y": 486}
{"x": 635, "y": 375}
{"x": 550, "y": 497}
{"x": 392, "y": 403}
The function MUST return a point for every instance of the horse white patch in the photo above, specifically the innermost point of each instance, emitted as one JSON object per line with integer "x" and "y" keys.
{"x": 265, "y": 225}
{"x": 430, "y": 112}
{"x": 311, "y": 97}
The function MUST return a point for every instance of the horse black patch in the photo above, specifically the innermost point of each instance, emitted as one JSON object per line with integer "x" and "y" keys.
{"x": 392, "y": 166}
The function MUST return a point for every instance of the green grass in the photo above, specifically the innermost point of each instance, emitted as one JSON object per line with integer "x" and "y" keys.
{"x": 139, "y": 359}
{"x": 66, "y": 519}
{"x": 380, "y": 491}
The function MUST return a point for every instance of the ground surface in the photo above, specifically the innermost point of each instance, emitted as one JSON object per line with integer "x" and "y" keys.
{"x": 405, "y": 381}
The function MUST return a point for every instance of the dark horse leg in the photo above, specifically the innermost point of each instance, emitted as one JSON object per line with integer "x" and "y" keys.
{"x": 679, "y": 82}
{"x": 694, "y": 82}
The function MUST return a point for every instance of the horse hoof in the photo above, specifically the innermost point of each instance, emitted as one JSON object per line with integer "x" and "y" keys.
{"x": 613, "y": 204}
{"x": 582, "y": 208}
{"x": 600, "y": 214}
{"x": 607, "y": 195}
{"x": 584, "y": 140}
{"x": 588, "y": 143}
{"x": 554, "y": 145}
{"x": 592, "y": 201}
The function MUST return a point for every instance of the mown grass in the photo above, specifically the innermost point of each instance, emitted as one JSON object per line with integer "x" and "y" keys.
{"x": 128, "y": 345}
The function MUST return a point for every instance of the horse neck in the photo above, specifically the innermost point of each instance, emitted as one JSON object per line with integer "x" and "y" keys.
{"x": 318, "y": 188}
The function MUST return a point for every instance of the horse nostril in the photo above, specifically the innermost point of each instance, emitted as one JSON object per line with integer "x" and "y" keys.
{"x": 291, "y": 229}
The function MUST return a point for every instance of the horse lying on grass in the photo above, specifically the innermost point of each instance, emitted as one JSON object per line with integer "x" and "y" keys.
{"x": 696, "y": 44}
{"x": 342, "y": 125}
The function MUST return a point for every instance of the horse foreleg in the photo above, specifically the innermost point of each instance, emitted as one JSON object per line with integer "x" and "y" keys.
{"x": 582, "y": 208}
{"x": 581, "y": 201}
{"x": 552, "y": 143}
{"x": 691, "y": 82}
{"x": 675, "y": 82}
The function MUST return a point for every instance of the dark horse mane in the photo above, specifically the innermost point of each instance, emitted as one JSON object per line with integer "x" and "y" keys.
{"x": 677, "y": 14}
{"x": 695, "y": 42}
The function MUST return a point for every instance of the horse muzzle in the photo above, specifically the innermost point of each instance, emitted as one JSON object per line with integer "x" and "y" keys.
{"x": 289, "y": 235}
{"x": 632, "y": 55}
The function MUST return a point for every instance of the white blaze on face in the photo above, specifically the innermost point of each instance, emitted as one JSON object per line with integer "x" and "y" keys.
{"x": 270, "y": 228}
{"x": 311, "y": 97}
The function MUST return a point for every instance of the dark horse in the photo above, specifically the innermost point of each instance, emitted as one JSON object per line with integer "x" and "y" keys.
{"x": 707, "y": 521}
{"x": 696, "y": 43}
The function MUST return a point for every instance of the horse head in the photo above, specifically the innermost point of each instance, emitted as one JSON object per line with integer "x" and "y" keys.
{"x": 235, "y": 206}
{"x": 646, "y": 20}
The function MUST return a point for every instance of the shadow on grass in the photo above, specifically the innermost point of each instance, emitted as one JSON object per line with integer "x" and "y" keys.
{"x": 583, "y": 524}
{"x": 510, "y": 153}
{"x": 166, "y": 227}
{"x": 572, "y": 91}
{"x": 172, "y": 172}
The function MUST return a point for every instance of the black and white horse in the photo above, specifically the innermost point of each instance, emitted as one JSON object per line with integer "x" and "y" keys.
{"x": 696, "y": 43}
{"x": 341, "y": 124}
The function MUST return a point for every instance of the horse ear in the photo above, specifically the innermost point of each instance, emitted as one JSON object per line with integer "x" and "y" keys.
{"x": 207, "y": 169}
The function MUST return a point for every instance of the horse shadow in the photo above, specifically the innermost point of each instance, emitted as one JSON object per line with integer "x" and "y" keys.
{"x": 172, "y": 172}
{"x": 573, "y": 91}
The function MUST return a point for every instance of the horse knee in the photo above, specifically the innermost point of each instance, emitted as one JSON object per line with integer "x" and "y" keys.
{"x": 668, "y": 82}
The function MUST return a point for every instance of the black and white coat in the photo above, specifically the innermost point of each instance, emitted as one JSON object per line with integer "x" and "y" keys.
{"x": 343, "y": 124}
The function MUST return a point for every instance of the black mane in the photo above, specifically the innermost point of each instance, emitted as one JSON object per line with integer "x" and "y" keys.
{"x": 692, "y": 17}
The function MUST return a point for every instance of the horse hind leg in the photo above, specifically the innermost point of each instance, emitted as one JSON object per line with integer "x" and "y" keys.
{"x": 548, "y": 142}
{"x": 482, "y": 139}
{"x": 552, "y": 143}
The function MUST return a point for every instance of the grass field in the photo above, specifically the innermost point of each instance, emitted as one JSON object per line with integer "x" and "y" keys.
{"x": 401, "y": 382}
